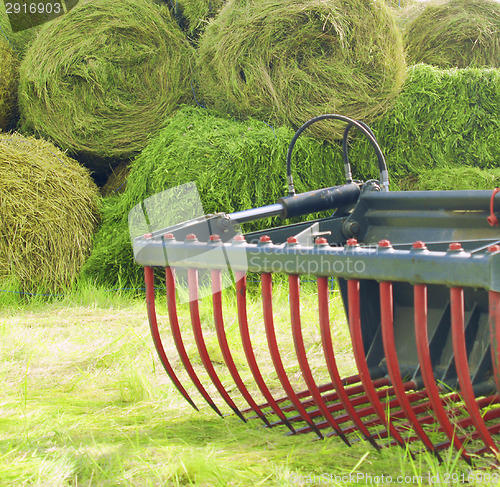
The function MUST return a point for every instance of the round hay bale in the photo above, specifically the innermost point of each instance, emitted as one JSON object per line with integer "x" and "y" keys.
{"x": 235, "y": 165}
{"x": 117, "y": 180}
{"x": 8, "y": 84}
{"x": 195, "y": 14}
{"x": 285, "y": 61}
{"x": 455, "y": 33}
{"x": 101, "y": 79}
{"x": 19, "y": 41}
{"x": 48, "y": 209}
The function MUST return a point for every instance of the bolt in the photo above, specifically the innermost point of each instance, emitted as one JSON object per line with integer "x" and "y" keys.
{"x": 148, "y": 235}
{"x": 384, "y": 243}
{"x": 419, "y": 245}
{"x": 168, "y": 236}
{"x": 352, "y": 242}
{"x": 354, "y": 227}
{"x": 239, "y": 238}
{"x": 190, "y": 236}
{"x": 455, "y": 246}
{"x": 214, "y": 238}
{"x": 292, "y": 240}
{"x": 321, "y": 241}
{"x": 493, "y": 248}
{"x": 265, "y": 239}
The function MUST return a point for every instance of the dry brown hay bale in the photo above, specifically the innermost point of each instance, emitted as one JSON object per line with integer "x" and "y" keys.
{"x": 8, "y": 84}
{"x": 285, "y": 61}
{"x": 101, "y": 79}
{"x": 454, "y": 34}
{"x": 48, "y": 214}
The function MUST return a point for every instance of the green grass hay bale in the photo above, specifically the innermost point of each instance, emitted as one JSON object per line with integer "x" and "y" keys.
{"x": 236, "y": 165}
{"x": 442, "y": 118}
{"x": 102, "y": 78}
{"x": 48, "y": 213}
{"x": 285, "y": 61}
{"x": 8, "y": 84}
{"x": 19, "y": 41}
{"x": 117, "y": 180}
{"x": 195, "y": 14}
{"x": 455, "y": 33}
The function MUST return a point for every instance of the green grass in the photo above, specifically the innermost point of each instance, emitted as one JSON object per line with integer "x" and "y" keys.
{"x": 85, "y": 402}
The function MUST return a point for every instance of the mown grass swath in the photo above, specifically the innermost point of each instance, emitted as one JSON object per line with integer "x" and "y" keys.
{"x": 8, "y": 84}
{"x": 48, "y": 210}
{"x": 104, "y": 77}
{"x": 287, "y": 61}
{"x": 455, "y": 33}
{"x": 236, "y": 165}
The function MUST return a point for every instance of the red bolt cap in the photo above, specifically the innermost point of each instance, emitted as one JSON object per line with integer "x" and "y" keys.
{"x": 384, "y": 243}
{"x": 352, "y": 241}
{"x": 493, "y": 248}
{"x": 265, "y": 238}
{"x": 321, "y": 241}
{"x": 419, "y": 245}
{"x": 292, "y": 240}
{"x": 214, "y": 238}
{"x": 148, "y": 235}
{"x": 190, "y": 236}
{"x": 168, "y": 236}
{"x": 239, "y": 238}
{"x": 455, "y": 246}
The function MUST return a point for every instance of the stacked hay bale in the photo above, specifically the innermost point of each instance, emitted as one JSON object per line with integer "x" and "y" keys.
{"x": 48, "y": 209}
{"x": 445, "y": 126}
{"x": 195, "y": 14}
{"x": 455, "y": 33}
{"x": 8, "y": 84}
{"x": 101, "y": 79}
{"x": 236, "y": 165}
{"x": 19, "y": 41}
{"x": 285, "y": 61}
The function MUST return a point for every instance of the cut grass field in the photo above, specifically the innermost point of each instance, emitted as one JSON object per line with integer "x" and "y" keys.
{"x": 85, "y": 402}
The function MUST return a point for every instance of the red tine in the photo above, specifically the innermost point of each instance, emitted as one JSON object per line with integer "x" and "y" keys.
{"x": 462, "y": 365}
{"x": 387, "y": 325}
{"x": 426, "y": 370}
{"x": 494, "y": 316}
{"x": 224, "y": 346}
{"x": 155, "y": 333}
{"x": 298, "y": 339}
{"x": 326, "y": 338}
{"x": 176, "y": 332}
{"x": 267, "y": 305}
{"x": 359, "y": 356}
{"x": 241, "y": 302}
{"x": 200, "y": 341}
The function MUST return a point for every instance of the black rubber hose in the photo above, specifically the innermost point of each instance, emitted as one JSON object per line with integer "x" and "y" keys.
{"x": 363, "y": 128}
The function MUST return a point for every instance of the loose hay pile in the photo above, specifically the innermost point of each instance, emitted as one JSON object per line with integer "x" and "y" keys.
{"x": 285, "y": 61}
{"x": 102, "y": 78}
{"x": 455, "y": 33}
{"x": 8, "y": 84}
{"x": 47, "y": 212}
{"x": 236, "y": 165}
{"x": 442, "y": 119}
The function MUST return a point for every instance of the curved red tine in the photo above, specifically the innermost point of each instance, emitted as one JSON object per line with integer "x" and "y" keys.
{"x": 298, "y": 340}
{"x": 155, "y": 333}
{"x": 224, "y": 346}
{"x": 200, "y": 341}
{"x": 387, "y": 325}
{"x": 267, "y": 306}
{"x": 462, "y": 365}
{"x": 494, "y": 317}
{"x": 326, "y": 339}
{"x": 179, "y": 344}
{"x": 359, "y": 356}
{"x": 426, "y": 371}
{"x": 241, "y": 303}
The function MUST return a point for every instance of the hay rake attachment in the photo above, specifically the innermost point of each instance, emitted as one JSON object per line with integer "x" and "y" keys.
{"x": 419, "y": 276}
